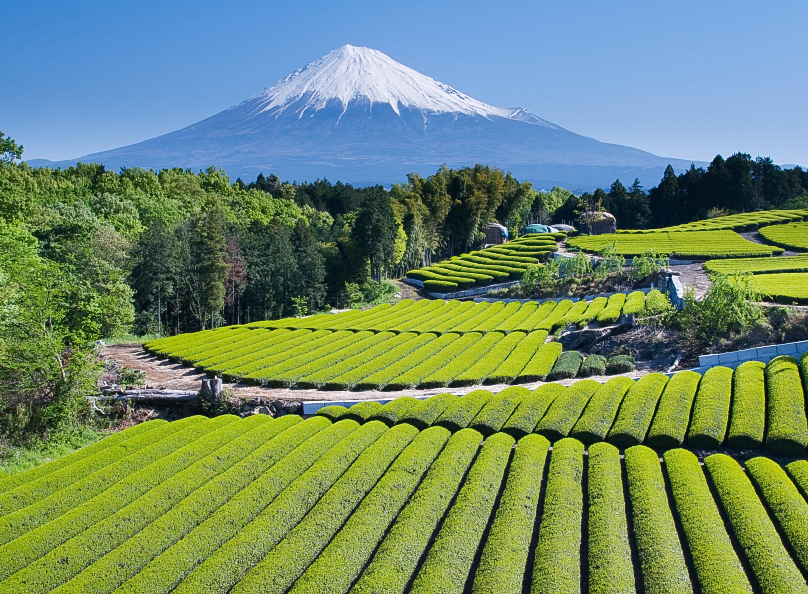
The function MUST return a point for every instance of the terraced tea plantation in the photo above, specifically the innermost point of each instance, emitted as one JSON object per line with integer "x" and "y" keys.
{"x": 681, "y": 244}
{"x": 758, "y": 265}
{"x": 492, "y": 265}
{"x": 738, "y": 222}
{"x": 786, "y": 287}
{"x": 426, "y": 344}
{"x": 756, "y": 406}
{"x": 384, "y": 502}
{"x": 794, "y": 236}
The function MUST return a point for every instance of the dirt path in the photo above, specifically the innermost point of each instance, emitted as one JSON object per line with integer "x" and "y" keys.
{"x": 162, "y": 373}
{"x": 756, "y": 237}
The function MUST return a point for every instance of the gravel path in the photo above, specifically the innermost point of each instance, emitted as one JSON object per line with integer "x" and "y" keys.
{"x": 693, "y": 275}
{"x": 162, "y": 373}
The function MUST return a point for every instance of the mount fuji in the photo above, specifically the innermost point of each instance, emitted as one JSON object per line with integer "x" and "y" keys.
{"x": 358, "y": 116}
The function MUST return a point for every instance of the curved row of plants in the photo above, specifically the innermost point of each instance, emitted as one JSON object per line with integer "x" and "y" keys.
{"x": 753, "y": 407}
{"x": 392, "y": 502}
{"x": 411, "y": 344}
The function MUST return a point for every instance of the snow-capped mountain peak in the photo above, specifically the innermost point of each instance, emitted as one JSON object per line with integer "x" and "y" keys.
{"x": 350, "y": 74}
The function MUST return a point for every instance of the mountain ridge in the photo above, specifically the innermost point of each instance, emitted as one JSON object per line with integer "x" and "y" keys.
{"x": 358, "y": 115}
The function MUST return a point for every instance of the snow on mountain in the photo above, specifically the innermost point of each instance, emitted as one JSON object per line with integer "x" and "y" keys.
{"x": 350, "y": 74}
{"x": 358, "y": 116}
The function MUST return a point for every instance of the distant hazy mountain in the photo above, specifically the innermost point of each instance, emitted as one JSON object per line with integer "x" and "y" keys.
{"x": 359, "y": 116}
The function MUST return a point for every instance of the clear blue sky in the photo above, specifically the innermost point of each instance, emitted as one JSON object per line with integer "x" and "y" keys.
{"x": 681, "y": 79}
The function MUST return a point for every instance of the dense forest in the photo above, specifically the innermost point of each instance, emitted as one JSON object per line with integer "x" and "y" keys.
{"x": 87, "y": 253}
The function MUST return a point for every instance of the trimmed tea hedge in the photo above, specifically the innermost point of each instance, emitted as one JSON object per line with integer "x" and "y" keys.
{"x": 557, "y": 566}
{"x": 661, "y": 558}
{"x": 567, "y": 365}
{"x": 610, "y": 567}
{"x": 593, "y": 365}
{"x": 620, "y": 364}
{"x": 396, "y": 559}
{"x": 637, "y": 410}
{"x": 718, "y": 568}
{"x": 448, "y": 564}
{"x": 748, "y": 418}
{"x": 711, "y": 409}
{"x": 498, "y": 410}
{"x": 566, "y": 409}
{"x": 787, "y": 426}
{"x": 531, "y": 410}
{"x": 600, "y": 412}
{"x": 462, "y": 410}
{"x": 673, "y": 413}
{"x": 774, "y": 570}
{"x": 785, "y": 502}
{"x": 504, "y": 556}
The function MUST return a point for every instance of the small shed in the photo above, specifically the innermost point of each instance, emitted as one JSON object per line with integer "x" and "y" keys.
{"x": 598, "y": 222}
{"x": 496, "y": 234}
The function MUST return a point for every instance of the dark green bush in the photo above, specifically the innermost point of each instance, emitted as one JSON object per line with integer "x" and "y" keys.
{"x": 620, "y": 364}
{"x": 593, "y": 365}
{"x": 567, "y": 365}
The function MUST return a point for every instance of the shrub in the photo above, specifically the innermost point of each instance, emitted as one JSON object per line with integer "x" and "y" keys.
{"x": 571, "y": 316}
{"x": 163, "y": 573}
{"x": 558, "y": 552}
{"x": 774, "y": 570}
{"x": 711, "y": 409}
{"x": 620, "y": 364}
{"x": 518, "y": 359}
{"x": 337, "y": 565}
{"x": 391, "y": 412}
{"x": 566, "y": 409}
{"x": 461, "y": 411}
{"x": 498, "y": 410}
{"x": 531, "y": 410}
{"x": 637, "y": 411}
{"x": 398, "y": 555}
{"x": 673, "y": 413}
{"x": 301, "y": 546}
{"x": 541, "y": 363}
{"x": 593, "y": 309}
{"x": 567, "y": 365}
{"x": 436, "y": 286}
{"x": 611, "y": 313}
{"x": 785, "y": 502}
{"x": 729, "y": 305}
{"x": 426, "y": 412}
{"x": 718, "y": 568}
{"x": 748, "y": 406}
{"x": 423, "y": 354}
{"x": 787, "y": 426}
{"x": 233, "y": 468}
{"x": 599, "y": 414}
{"x": 449, "y": 561}
{"x": 610, "y": 567}
{"x": 593, "y": 365}
{"x": 362, "y": 411}
{"x": 220, "y": 571}
{"x": 504, "y": 555}
{"x": 661, "y": 558}
{"x": 332, "y": 412}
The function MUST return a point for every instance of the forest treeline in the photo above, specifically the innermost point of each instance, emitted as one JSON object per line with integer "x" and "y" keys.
{"x": 87, "y": 253}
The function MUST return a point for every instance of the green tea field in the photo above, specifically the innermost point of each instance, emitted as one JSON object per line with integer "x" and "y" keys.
{"x": 680, "y": 244}
{"x": 411, "y": 344}
{"x": 794, "y": 236}
{"x": 447, "y": 495}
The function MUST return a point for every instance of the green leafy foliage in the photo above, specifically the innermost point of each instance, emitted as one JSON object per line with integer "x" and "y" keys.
{"x": 504, "y": 556}
{"x": 600, "y": 412}
{"x": 620, "y": 364}
{"x": 610, "y": 568}
{"x": 558, "y": 563}
{"x": 711, "y": 409}
{"x": 718, "y": 568}
{"x": 448, "y": 564}
{"x": 567, "y": 365}
{"x": 754, "y": 531}
{"x": 673, "y": 413}
{"x": 787, "y": 426}
{"x": 637, "y": 411}
{"x": 661, "y": 558}
{"x": 593, "y": 365}
{"x": 748, "y": 406}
